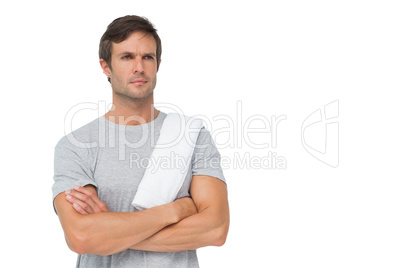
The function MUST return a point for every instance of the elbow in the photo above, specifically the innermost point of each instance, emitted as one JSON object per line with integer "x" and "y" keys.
{"x": 221, "y": 234}
{"x": 79, "y": 249}
{"x": 81, "y": 244}
{"x": 78, "y": 243}
{"x": 220, "y": 240}
{"x": 78, "y": 240}
{"x": 83, "y": 241}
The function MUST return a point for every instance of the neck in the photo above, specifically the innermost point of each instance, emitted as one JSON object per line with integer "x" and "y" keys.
{"x": 132, "y": 111}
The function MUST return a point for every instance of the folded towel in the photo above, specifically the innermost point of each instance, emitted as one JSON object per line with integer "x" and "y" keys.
{"x": 160, "y": 185}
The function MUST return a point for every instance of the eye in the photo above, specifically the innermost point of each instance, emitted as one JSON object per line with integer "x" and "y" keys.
{"x": 126, "y": 57}
{"x": 148, "y": 57}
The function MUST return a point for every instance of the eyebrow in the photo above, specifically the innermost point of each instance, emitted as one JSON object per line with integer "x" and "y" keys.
{"x": 131, "y": 54}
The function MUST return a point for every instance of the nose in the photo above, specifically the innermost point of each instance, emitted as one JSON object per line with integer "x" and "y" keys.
{"x": 138, "y": 66}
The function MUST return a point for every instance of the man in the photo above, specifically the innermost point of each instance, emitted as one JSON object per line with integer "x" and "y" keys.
{"x": 97, "y": 173}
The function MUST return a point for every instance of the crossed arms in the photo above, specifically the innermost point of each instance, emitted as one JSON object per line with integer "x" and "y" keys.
{"x": 185, "y": 224}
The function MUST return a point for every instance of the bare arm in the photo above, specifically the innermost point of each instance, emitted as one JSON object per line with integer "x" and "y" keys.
{"x": 208, "y": 227}
{"x": 111, "y": 232}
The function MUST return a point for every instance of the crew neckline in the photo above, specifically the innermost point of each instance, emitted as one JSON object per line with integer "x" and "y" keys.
{"x": 156, "y": 120}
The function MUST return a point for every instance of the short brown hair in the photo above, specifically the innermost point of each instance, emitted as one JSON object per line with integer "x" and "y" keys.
{"x": 120, "y": 29}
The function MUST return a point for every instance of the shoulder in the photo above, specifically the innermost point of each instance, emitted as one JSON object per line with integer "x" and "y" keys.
{"x": 85, "y": 137}
{"x": 205, "y": 137}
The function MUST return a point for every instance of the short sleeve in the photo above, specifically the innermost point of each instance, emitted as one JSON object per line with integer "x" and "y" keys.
{"x": 206, "y": 159}
{"x": 71, "y": 167}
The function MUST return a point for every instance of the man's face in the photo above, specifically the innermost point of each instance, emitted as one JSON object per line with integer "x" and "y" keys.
{"x": 134, "y": 66}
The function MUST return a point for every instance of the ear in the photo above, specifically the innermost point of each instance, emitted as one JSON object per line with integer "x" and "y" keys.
{"x": 105, "y": 68}
{"x": 159, "y": 63}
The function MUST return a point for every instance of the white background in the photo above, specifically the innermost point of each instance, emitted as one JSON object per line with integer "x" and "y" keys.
{"x": 278, "y": 58}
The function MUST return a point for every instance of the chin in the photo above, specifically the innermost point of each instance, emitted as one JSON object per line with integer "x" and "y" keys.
{"x": 141, "y": 95}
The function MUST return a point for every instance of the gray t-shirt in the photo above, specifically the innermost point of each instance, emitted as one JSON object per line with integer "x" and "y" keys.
{"x": 113, "y": 158}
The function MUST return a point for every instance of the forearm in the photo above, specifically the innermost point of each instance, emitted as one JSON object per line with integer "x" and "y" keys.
{"x": 199, "y": 230}
{"x": 106, "y": 233}
{"x": 111, "y": 232}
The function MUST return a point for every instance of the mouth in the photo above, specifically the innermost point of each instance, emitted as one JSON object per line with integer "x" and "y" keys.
{"x": 139, "y": 81}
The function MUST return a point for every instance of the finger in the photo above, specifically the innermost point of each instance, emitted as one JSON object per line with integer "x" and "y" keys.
{"x": 79, "y": 206}
{"x": 99, "y": 205}
{"x": 76, "y": 207}
{"x": 82, "y": 189}
{"x": 83, "y": 198}
{"x": 79, "y": 209}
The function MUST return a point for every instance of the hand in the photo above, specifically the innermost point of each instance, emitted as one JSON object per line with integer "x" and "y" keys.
{"x": 85, "y": 201}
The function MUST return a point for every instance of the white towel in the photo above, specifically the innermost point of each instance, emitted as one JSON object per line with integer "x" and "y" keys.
{"x": 162, "y": 182}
